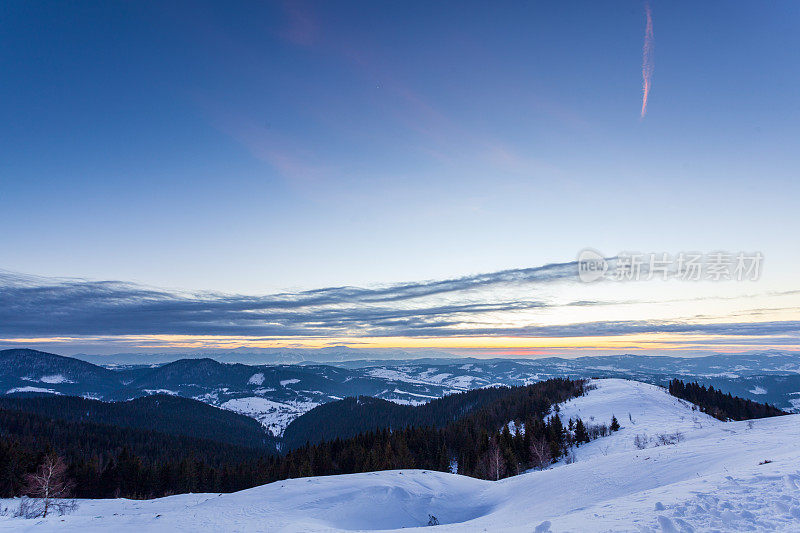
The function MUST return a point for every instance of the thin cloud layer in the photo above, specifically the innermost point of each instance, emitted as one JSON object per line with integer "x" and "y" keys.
{"x": 458, "y": 307}
{"x": 41, "y": 306}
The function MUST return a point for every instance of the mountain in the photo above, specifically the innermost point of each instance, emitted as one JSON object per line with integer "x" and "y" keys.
{"x": 254, "y": 356}
{"x": 351, "y": 416}
{"x": 669, "y": 468}
{"x": 275, "y": 395}
{"x": 23, "y": 370}
{"x": 170, "y": 415}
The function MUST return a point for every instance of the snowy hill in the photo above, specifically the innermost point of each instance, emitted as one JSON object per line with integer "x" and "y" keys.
{"x": 709, "y": 478}
{"x": 642, "y": 410}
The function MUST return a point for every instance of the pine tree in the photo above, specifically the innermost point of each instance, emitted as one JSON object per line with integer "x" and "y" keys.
{"x": 581, "y": 435}
{"x": 614, "y": 423}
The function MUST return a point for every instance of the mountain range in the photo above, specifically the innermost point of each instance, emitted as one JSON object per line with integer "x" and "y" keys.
{"x": 277, "y": 395}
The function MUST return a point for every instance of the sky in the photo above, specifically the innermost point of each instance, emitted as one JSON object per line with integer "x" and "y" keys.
{"x": 422, "y": 175}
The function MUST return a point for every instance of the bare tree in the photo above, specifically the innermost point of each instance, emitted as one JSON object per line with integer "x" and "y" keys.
{"x": 540, "y": 453}
{"x": 496, "y": 461}
{"x": 49, "y": 488}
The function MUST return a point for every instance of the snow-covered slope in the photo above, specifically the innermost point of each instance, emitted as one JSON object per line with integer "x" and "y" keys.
{"x": 710, "y": 479}
{"x": 641, "y": 409}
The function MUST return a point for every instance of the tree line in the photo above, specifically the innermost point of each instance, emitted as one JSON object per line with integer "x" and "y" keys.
{"x": 722, "y": 406}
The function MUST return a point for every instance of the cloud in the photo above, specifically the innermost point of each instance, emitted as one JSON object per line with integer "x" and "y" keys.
{"x": 627, "y": 327}
{"x": 46, "y": 306}
{"x": 482, "y": 305}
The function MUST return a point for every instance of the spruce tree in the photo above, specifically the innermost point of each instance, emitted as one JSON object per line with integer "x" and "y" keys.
{"x": 581, "y": 435}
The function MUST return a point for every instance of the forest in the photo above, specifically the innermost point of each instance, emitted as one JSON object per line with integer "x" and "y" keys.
{"x": 722, "y": 406}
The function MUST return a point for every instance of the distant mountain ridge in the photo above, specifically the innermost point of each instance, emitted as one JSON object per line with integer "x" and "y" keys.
{"x": 276, "y": 395}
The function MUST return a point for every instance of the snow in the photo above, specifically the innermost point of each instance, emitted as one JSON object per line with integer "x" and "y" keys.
{"x": 54, "y": 379}
{"x": 289, "y": 382}
{"x": 401, "y": 401}
{"x": 429, "y": 375}
{"x": 513, "y": 427}
{"x": 398, "y": 391}
{"x": 462, "y": 382}
{"x": 256, "y": 379}
{"x": 641, "y": 409}
{"x": 392, "y": 375}
{"x": 711, "y": 480}
{"x": 31, "y": 389}
{"x": 795, "y": 401}
{"x": 275, "y": 416}
{"x": 161, "y": 391}
{"x": 758, "y": 390}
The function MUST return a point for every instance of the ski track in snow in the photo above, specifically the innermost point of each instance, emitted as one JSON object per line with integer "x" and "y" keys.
{"x": 710, "y": 480}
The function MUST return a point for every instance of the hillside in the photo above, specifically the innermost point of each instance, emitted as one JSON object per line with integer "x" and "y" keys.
{"x": 23, "y": 370}
{"x": 710, "y": 478}
{"x": 104, "y": 460}
{"x": 163, "y": 413}
{"x": 351, "y": 416}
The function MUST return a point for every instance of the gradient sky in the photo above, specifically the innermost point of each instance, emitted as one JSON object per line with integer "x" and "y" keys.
{"x": 214, "y": 150}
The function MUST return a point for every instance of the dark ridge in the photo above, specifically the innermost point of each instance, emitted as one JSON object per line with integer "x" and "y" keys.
{"x": 172, "y": 415}
{"x": 349, "y": 417}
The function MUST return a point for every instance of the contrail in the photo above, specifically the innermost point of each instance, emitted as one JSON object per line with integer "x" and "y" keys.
{"x": 647, "y": 59}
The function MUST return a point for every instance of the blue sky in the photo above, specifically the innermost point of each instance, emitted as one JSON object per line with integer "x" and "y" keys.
{"x": 261, "y": 148}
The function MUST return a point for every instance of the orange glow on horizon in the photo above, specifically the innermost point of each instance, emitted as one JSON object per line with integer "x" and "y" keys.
{"x": 521, "y": 346}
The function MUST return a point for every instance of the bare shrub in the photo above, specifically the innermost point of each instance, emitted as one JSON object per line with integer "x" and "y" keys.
{"x": 597, "y": 430}
{"x": 27, "y": 509}
{"x": 666, "y": 439}
{"x": 640, "y": 441}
